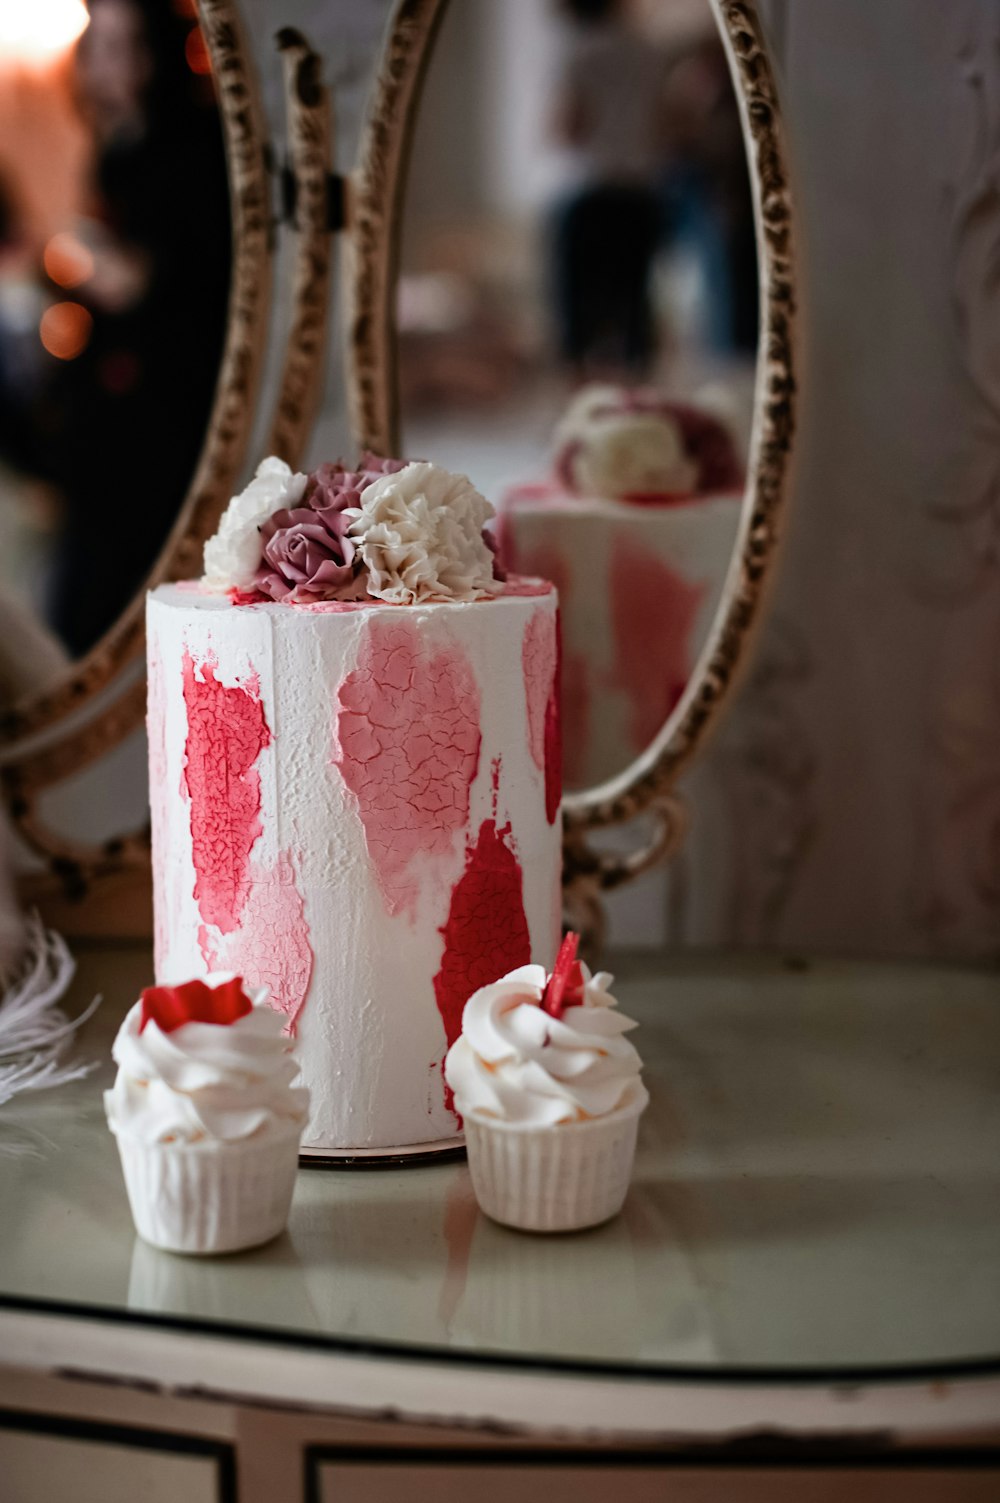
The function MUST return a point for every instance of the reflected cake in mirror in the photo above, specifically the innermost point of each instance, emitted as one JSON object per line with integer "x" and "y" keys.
{"x": 354, "y": 773}
{"x": 636, "y": 527}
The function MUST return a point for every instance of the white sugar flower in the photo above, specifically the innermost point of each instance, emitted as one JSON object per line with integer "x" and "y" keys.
{"x": 232, "y": 556}
{"x": 632, "y": 453}
{"x": 420, "y": 534}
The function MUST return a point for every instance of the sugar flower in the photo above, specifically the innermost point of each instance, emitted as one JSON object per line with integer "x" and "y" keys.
{"x": 419, "y": 532}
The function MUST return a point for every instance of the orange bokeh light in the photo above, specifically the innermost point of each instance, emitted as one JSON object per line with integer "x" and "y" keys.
{"x": 65, "y": 330}
{"x": 67, "y": 260}
{"x": 34, "y": 31}
{"x": 196, "y": 52}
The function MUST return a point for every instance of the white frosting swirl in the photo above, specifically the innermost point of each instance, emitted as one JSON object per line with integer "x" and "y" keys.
{"x": 203, "y": 1082}
{"x": 233, "y": 555}
{"x": 516, "y": 1062}
{"x": 420, "y": 534}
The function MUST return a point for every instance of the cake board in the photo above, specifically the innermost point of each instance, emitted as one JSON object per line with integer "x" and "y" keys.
{"x": 446, "y": 1150}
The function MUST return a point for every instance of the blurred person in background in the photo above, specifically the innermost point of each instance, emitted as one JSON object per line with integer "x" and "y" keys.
{"x": 22, "y": 359}
{"x": 705, "y": 190}
{"x": 610, "y": 117}
{"x": 123, "y": 420}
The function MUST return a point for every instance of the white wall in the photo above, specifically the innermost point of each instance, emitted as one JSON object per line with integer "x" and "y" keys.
{"x": 860, "y": 770}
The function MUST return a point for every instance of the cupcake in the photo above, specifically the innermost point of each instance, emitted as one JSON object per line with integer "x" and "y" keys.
{"x": 550, "y": 1093}
{"x": 207, "y": 1119}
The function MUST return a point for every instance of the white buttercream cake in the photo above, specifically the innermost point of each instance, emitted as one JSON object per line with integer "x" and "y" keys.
{"x": 636, "y": 527}
{"x": 354, "y": 771}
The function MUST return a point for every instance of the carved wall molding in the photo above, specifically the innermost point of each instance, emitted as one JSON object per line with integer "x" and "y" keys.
{"x": 955, "y": 883}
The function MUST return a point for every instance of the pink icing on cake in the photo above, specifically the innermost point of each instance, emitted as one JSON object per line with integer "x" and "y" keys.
{"x": 572, "y": 678}
{"x": 156, "y": 731}
{"x": 486, "y": 934}
{"x": 271, "y": 947}
{"x": 538, "y": 656}
{"x": 226, "y": 732}
{"x": 653, "y": 614}
{"x": 521, "y": 587}
{"x": 553, "y": 735}
{"x": 408, "y": 739}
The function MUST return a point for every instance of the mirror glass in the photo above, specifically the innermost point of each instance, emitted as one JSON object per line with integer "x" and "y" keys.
{"x": 114, "y": 275}
{"x": 577, "y": 314}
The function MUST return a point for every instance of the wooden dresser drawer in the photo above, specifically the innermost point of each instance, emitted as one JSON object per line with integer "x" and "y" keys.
{"x": 46, "y": 1460}
{"x": 442, "y": 1481}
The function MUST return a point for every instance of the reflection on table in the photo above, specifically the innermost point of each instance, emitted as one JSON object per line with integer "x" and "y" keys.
{"x": 816, "y": 1188}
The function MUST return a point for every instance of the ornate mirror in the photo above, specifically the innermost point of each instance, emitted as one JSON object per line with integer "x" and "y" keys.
{"x": 134, "y": 294}
{"x": 575, "y": 285}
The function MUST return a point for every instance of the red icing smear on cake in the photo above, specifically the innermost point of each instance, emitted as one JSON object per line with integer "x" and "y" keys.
{"x": 540, "y": 661}
{"x": 654, "y": 609}
{"x": 156, "y": 731}
{"x": 566, "y": 746}
{"x": 226, "y": 733}
{"x": 521, "y": 587}
{"x": 487, "y": 931}
{"x": 553, "y": 735}
{"x": 408, "y": 741}
{"x": 271, "y": 948}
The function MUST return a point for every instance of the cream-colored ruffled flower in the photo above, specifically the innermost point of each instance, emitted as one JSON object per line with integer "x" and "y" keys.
{"x": 420, "y": 535}
{"x": 233, "y": 555}
{"x": 632, "y": 453}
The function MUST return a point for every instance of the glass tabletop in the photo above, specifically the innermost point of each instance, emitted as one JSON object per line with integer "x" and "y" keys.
{"x": 816, "y": 1194}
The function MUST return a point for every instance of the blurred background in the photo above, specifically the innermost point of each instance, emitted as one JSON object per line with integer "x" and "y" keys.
{"x": 589, "y": 227}
{"x": 851, "y": 800}
{"x": 579, "y": 209}
{"x": 114, "y": 269}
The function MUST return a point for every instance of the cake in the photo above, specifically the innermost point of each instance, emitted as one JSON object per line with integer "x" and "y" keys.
{"x": 551, "y": 1095}
{"x": 207, "y": 1116}
{"x": 636, "y": 527}
{"x": 354, "y": 771}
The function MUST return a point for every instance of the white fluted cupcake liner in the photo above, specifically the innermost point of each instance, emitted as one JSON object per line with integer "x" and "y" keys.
{"x": 211, "y": 1197}
{"x": 554, "y": 1179}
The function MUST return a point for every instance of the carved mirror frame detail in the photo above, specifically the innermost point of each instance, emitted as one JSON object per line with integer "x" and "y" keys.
{"x": 308, "y": 184}
{"x": 52, "y": 736}
{"x": 646, "y": 786}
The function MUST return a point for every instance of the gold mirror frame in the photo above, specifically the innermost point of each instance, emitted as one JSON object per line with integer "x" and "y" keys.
{"x": 646, "y": 786}
{"x": 310, "y": 126}
{"x": 53, "y": 736}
